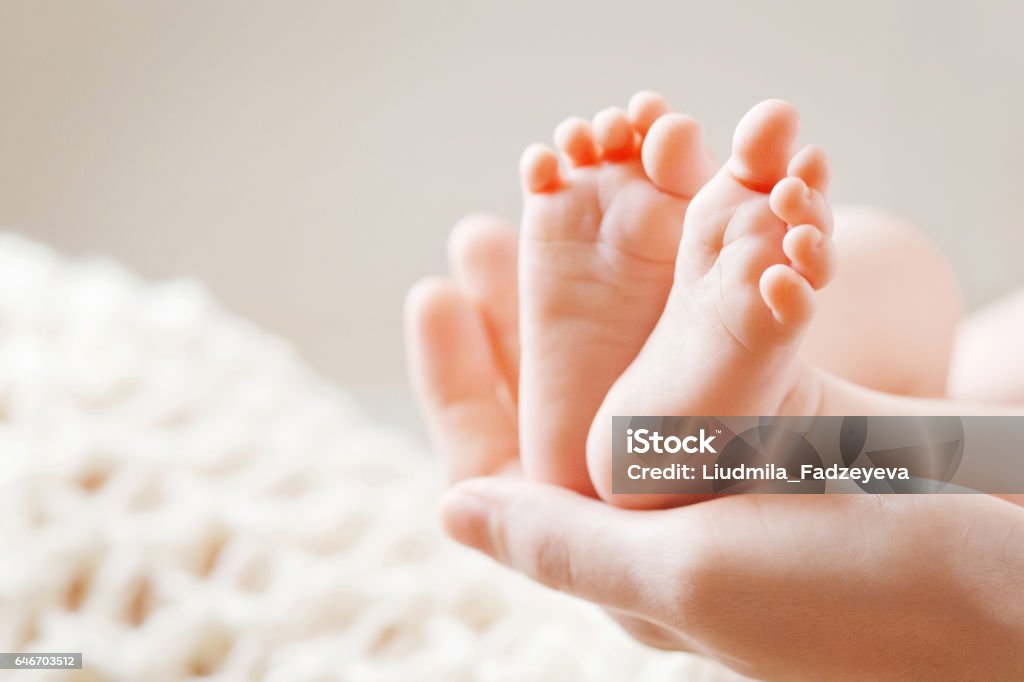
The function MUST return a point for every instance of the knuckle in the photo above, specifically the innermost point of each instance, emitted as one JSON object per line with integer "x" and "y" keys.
{"x": 696, "y": 586}
{"x": 553, "y": 562}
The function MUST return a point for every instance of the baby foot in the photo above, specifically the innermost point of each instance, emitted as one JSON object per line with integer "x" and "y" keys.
{"x": 597, "y": 256}
{"x": 756, "y": 243}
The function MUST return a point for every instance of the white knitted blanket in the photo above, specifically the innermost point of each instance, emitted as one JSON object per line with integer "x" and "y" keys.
{"x": 180, "y": 497}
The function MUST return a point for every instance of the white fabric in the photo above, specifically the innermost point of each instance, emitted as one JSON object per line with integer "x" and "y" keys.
{"x": 180, "y": 496}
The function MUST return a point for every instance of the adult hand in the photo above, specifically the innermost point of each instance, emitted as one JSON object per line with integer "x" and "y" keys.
{"x": 782, "y": 587}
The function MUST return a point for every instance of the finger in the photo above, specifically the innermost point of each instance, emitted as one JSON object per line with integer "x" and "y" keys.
{"x": 648, "y": 632}
{"x": 568, "y": 542}
{"x": 455, "y": 376}
{"x": 482, "y": 253}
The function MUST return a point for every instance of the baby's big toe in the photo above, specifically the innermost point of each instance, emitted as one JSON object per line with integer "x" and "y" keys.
{"x": 675, "y": 157}
{"x": 763, "y": 144}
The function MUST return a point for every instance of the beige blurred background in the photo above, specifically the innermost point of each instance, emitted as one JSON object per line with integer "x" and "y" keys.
{"x": 306, "y": 159}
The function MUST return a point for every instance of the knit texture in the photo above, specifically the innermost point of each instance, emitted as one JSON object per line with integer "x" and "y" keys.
{"x": 180, "y": 498}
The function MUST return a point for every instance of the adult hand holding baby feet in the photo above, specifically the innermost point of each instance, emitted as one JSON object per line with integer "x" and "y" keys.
{"x": 771, "y": 586}
{"x": 776, "y": 587}
{"x": 599, "y": 244}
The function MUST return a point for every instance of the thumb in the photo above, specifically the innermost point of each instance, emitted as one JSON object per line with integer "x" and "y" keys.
{"x": 566, "y": 541}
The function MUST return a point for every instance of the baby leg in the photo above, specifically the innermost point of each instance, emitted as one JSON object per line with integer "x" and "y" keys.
{"x": 887, "y": 321}
{"x": 987, "y": 361}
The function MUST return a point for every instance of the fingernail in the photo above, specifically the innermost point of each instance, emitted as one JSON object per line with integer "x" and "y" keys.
{"x": 466, "y": 518}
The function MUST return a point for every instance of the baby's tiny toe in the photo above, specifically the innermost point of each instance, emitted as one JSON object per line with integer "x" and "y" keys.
{"x": 811, "y": 165}
{"x": 797, "y": 204}
{"x": 614, "y": 134}
{"x": 645, "y": 108}
{"x": 575, "y": 139}
{"x": 788, "y": 295}
{"x": 812, "y": 254}
{"x": 538, "y": 169}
